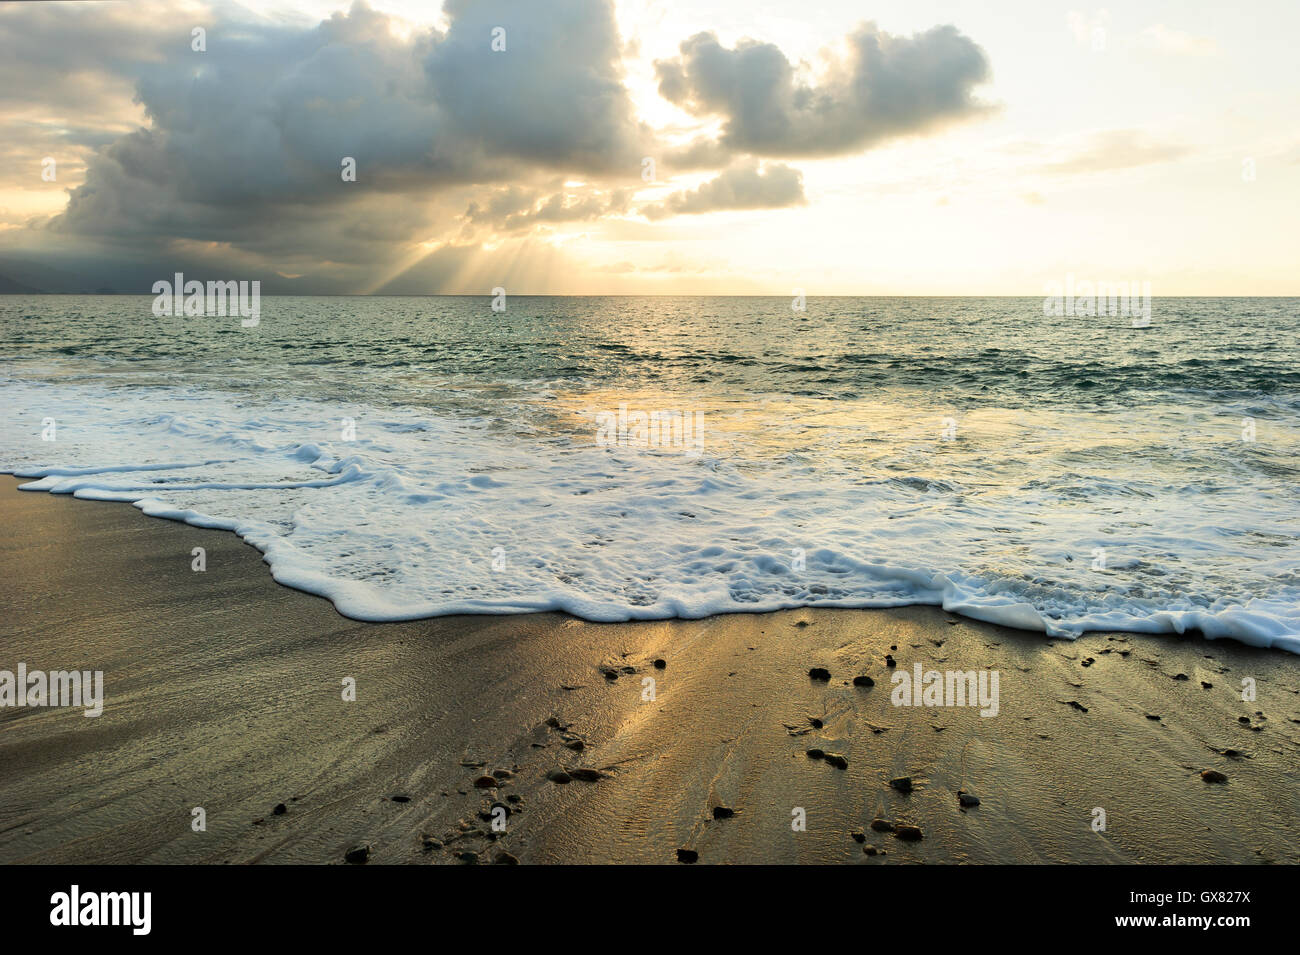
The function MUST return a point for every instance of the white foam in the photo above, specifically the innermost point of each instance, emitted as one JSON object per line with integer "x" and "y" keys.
{"x": 425, "y": 515}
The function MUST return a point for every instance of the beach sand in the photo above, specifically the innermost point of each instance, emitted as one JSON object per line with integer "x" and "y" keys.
{"x": 224, "y": 690}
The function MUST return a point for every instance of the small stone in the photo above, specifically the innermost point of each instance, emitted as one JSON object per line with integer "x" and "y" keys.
{"x": 903, "y": 784}
{"x": 502, "y": 773}
{"x": 816, "y": 754}
{"x": 1206, "y": 686}
{"x": 890, "y": 661}
{"x": 1214, "y": 776}
{"x": 819, "y": 673}
{"x": 468, "y": 856}
{"x": 863, "y": 681}
{"x": 859, "y": 836}
{"x": 661, "y": 664}
{"x": 559, "y": 776}
{"x": 586, "y": 775}
{"x": 967, "y": 799}
{"x": 836, "y": 760}
{"x": 872, "y": 851}
{"x": 485, "y": 782}
{"x": 881, "y": 825}
{"x": 576, "y": 744}
{"x": 505, "y": 858}
{"x": 909, "y": 833}
{"x": 1243, "y": 719}
{"x": 393, "y": 798}
{"x": 816, "y": 723}
{"x": 689, "y": 856}
{"x": 280, "y": 809}
{"x": 723, "y": 812}
{"x": 1180, "y": 676}
{"x": 357, "y": 855}
{"x": 431, "y": 844}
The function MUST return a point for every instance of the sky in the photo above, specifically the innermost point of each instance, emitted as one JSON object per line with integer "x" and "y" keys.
{"x": 900, "y": 147}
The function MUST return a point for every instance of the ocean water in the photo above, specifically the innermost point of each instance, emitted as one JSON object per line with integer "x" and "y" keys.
{"x": 409, "y": 457}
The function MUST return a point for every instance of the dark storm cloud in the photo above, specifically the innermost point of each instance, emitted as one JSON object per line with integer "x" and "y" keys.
{"x": 743, "y": 187}
{"x": 262, "y": 120}
{"x": 887, "y": 86}
{"x": 229, "y": 159}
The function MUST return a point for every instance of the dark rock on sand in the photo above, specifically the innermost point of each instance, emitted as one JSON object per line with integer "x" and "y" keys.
{"x": 1180, "y": 676}
{"x": 859, "y": 836}
{"x": 661, "y": 664}
{"x": 505, "y": 858}
{"x": 816, "y": 754}
{"x": 903, "y": 784}
{"x": 559, "y": 776}
{"x": 881, "y": 825}
{"x": 576, "y": 744}
{"x": 503, "y": 774}
{"x": 586, "y": 775}
{"x": 890, "y": 661}
{"x": 863, "y": 681}
{"x": 1076, "y": 705}
{"x": 357, "y": 855}
{"x": 723, "y": 812}
{"x": 873, "y": 851}
{"x": 967, "y": 799}
{"x": 819, "y": 673}
{"x": 836, "y": 760}
{"x": 688, "y": 856}
{"x": 1214, "y": 776}
{"x": 393, "y": 798}
{"x": 1206, "y": 686}
{"x": 280, "y": 809}
{"x": 909, "y": 833}
{"x": 468, "y": 856}
{"x": 485, "y": 782}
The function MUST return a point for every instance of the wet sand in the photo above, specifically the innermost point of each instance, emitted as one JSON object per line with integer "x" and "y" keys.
{"x": 224, "y": 690}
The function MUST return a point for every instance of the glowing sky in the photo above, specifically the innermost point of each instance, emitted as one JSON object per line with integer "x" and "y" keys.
{"x": 896, "y": 147}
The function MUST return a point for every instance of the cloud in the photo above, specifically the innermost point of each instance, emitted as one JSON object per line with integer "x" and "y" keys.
{"x": 886, "y": 86}
{"x": 258, "y": 125}
{"x": 1112, "y": 150}
{"x": 744, "y": 186}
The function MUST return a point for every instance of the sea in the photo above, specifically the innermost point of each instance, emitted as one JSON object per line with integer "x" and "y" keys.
{"x": 646, "y": 457}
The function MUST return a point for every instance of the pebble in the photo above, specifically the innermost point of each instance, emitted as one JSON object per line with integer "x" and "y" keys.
{"x": 863, "y": 681}
{"x": 873, "y": 851}
{"x": 357, "y": 855}
{"x": 1214, "y": 776}
{"x": 859, "y": 836}
{"x": 468, "y": 856}
{"x": 586, "y": 775}
{"x": 881, "y": 825}
{"x": 890, "y": 661}
{"x": 903, "y": 784}
{"x": 559, "y": 776}
{"x": 819, "y": 673}
{"x": 816, "y": 754}
{"x": 485, "y": 782}
{"x": 505, "y": 858}
{"x": 836, "y": 760}
{"x": 661, "y": 664}
{"x": 502, "y": 773}
{"x": 280, "y": 809}
{"x": 688, "y": 856}
{"x": 393, "y": 798}
{"x": 967, "y": 799}
{"x": 909, "y": 833}
{"x": 723, "y": 812}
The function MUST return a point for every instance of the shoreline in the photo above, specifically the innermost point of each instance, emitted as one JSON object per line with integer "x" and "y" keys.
{"x": 223, "y": 690}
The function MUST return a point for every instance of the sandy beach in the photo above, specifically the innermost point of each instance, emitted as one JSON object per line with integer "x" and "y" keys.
{"x": 225, "y": 691}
